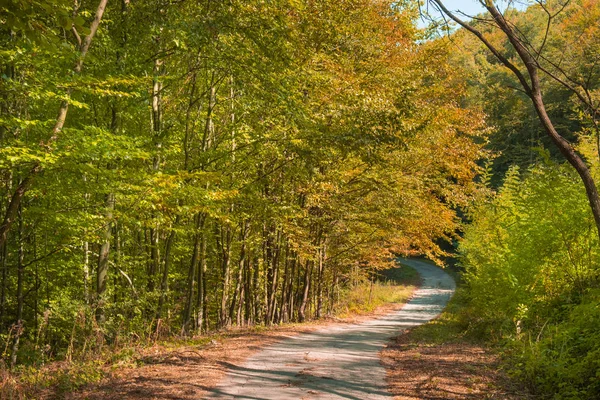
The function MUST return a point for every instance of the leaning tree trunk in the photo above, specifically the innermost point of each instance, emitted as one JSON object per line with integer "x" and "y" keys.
{"x": 533, "y": 89}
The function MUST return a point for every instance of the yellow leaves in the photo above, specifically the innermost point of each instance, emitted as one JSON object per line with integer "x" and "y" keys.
{"x": 221, "y": 195}
{"x": 12, "y": 156}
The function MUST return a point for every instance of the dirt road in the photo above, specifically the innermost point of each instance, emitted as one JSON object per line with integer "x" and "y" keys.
{"x": 335, "y": 362}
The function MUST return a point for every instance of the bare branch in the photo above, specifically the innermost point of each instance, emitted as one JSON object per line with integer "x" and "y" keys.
{"x": 487, "y": 43}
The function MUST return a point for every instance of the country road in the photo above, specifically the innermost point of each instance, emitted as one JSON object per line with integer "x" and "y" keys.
{"x": 336, "y": 362}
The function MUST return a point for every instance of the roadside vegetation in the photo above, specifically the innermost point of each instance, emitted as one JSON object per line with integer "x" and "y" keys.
{"x": 444, "y": 359}
{"x": 533, "y": 285}
{"x": 98, "y": 375}
{"x": 530, "y": 255}
{"x": 392, "y": 286}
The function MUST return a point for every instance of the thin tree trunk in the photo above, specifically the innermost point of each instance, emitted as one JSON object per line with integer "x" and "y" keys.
{"x": 4, "y": 266}
{"x": 237, "y": 294}
{"x": 305, "y": 291}
{"x": 201, "y": 319}
{"x": 187, "y": 313}
{"x": 255, "y": 291}
{"x": 20, "y": 296}
{"x": 86, "y": 272}
{"x": 293, "y": 278}
{"x": 103, "y": 260}
{"x": 248, "y": 304}
{"x": 274, "y": 279}
{"x": 226, "y": 266}
{"x": 284, "y": 286}
{"x": 164, "y": 284}
{"x": 153, "y": 262}
{"x": 209, "y": 128}
{"x": 321, "y": 256}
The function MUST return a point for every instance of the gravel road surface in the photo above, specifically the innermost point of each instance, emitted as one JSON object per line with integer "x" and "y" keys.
{"x": 339, "y": 361}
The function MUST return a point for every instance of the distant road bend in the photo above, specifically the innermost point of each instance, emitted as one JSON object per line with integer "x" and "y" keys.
{"x": 338, "y": 362}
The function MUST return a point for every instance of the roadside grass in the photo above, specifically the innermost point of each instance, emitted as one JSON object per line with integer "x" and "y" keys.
{"x": 392, "y": 286}
{"x": 29, "y": 382}
{"x": 449, "y": 327}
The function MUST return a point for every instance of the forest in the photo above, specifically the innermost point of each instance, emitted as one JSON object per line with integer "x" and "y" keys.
{"x": 171, "y": 168}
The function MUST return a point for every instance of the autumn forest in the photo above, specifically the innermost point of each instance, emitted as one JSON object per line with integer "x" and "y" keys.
{"x": 172, "y": 168}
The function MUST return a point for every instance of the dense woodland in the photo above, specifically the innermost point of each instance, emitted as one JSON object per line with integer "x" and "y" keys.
{"x": 179, "y": 167}
{"x": 215, "y": 163}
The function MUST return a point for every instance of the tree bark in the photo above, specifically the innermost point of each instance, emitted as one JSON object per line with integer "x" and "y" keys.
{"x": 201, "y": 317}
{"x": 103, "y": 260}
{"x": 321, "y": 257}
{"x": 164, "y": 283}
{"x": 239, "y": 286}
{"x": 20, "y": 294}
{"x": 187, "y": 313}
{"x": 305, "y": 291}
{"x": 225, "y": 247}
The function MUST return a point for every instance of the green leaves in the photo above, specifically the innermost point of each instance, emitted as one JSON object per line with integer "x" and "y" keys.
{"x": 215, "y": 137}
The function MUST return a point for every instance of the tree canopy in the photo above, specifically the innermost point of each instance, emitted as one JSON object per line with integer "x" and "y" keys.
{"x": 216, "y": 163}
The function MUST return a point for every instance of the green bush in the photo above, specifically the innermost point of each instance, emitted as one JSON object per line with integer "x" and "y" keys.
{"x": 531, "y": 259}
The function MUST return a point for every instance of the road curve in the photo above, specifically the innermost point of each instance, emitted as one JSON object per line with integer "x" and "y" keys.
{"x": 337, "y": 362}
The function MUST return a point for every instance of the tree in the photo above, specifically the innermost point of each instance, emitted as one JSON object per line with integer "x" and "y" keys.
{"x": 23, "y": 186}
{"x": 532, "y": 58}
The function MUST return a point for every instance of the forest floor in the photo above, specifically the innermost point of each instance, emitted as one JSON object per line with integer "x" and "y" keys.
{"x": 428, "y": 362}
{"x": 418, "y": 370}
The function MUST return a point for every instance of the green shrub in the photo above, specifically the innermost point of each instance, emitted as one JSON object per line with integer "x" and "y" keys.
{"x": 531, "y": 255}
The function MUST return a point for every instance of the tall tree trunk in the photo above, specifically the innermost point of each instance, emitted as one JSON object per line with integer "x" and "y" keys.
{"x": 333, "y": 293}
{"x": 86, "y": 272}
{"x": 305, "y": 290}
{"x": 103, "y": 260}
{"x": 290, "y": 291}
{"x": 225, "y": 245}
{"x": 239, "y": 286}
{"x": 321, "y": 257}
{"x": 249, "y": 297}
{"x": 189, "y": 302}
{"x": 209, "y": 128}
{"x": 255, "y": 291}
{"x": 4, "y": 266}
{"x": 164, "y": 283}
{"x": 19, "y": 326}
{"x": 157, "y": 88}
{"x": 201, "y": 317}
{"x": 274, "y": 278}
{"x": 154, "y": 260}
{"x": 284, "y": 286}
